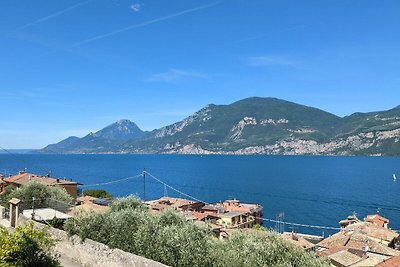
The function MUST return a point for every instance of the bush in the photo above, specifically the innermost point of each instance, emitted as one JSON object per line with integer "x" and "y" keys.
{"x": 26, "y": 247}
{"x": 97, "y": 193}
{"x": 259, "y": 248}
{"x": 173, "y": 240}
{"x": 130, "y": 202}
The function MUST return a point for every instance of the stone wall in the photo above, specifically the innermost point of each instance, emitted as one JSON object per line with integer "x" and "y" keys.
{"x": 91, "y": 253}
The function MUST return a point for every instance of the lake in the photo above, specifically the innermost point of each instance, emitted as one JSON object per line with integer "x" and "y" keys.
{"x": 316, "y": 190}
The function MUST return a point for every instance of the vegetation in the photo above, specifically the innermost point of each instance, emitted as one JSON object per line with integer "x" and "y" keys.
{"x": 45, "y": 196}
{"x": 211, "y": 128}
{"x": 26, "y": 246}
{"x": 97, "y": 193}
{"x": 171, "y": 239}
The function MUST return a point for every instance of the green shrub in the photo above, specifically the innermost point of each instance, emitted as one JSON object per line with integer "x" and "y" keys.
{"x": 45, "y": 196}
{"x": 97, "y": 193}
{"x": 173, "y": 240}
{"x": 130, "y": 202}
{"x": 26, "y": 247}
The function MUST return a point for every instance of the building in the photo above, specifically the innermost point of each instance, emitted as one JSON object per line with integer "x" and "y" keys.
{"x": 349, "y": 220}
{"x": 24, "y": 177}
{"x": 179, "y": 204}
{"x": 213, "y": 209}
{"x": 236, "y": 219}
{"x": 255, "y": 210}
{"x": 298, "y": 240}
{"x": 378, "y": 220}
{"x": 87, "y": 203}
{"x": 343, "y": 257}
{"x": 377, "y": 233}
{"x": 359, "y": 244}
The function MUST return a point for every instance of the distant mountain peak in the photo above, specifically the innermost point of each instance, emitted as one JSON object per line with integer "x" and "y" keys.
{"x": 123, "y": 121}
{"x": 254, "y": 125}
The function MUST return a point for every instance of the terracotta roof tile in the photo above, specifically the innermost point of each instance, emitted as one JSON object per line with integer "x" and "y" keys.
{"x": 24, "y": 178}
{"x": 392, "y": 262}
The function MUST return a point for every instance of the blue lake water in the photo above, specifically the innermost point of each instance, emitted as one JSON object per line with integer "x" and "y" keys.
{"x": 309, "y": 190}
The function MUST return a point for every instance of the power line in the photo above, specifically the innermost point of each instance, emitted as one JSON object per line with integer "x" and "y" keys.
{"x": 299, "y": 224}
{"x": 264, "y": 219}
{"x": 114, "y": 181}
{"x": 173, "y": 188}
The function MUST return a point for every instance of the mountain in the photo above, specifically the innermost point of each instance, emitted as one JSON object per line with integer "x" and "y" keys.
{"x": 259, "y": 126}
{"x": 99, "y": 142}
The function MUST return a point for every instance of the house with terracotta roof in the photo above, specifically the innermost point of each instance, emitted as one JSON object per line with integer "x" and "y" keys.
{"x": 298, "y": 240}
{"x": 179, "y": 204}
{"x": 24, "y": 177}
{"x": 236, "y": 219}
{"x": 87, "y": 203}
{"x": 359, "y": 244}
{"x": 380, "y": 234}
{"x": 378, "y": 220}
{"x": 255, "y": 210}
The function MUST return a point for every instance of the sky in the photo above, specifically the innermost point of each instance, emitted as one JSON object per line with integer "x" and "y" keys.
{"x": 69, "y": 67}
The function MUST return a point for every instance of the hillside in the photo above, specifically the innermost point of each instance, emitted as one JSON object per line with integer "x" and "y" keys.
{"x": 101, "y": 141}
{"x": 257, "y": 126}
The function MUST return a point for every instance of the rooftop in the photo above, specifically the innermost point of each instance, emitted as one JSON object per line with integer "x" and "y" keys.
{"x": 357, "y": 240}
{"x": 25, "y": 177}
{"x": 297, "y": 240}
{"x": 232, "y": 214}
{"x": 392, "y": 262}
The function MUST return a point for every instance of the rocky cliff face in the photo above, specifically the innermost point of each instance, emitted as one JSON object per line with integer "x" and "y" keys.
{"x": 257, "y": 126}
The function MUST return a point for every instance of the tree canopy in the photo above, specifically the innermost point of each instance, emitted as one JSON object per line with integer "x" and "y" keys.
{"x": 171, "y": 239}
{"x": 45, "y": 196}
{"x": 97, "y": 193}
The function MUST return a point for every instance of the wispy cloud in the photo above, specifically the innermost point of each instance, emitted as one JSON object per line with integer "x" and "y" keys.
{"x": 145, "y": 23}
{"x": 58, "y": 13}
{"x": 176, "y": 74}
{"x": 269, "y": 61}
{"x": 136, "y": 7}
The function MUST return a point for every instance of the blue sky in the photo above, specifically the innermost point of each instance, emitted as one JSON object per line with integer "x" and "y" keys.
{"x": 68, "y": 67}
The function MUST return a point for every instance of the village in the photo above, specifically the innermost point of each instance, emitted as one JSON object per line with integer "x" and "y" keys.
{"x": 358, "y": 242}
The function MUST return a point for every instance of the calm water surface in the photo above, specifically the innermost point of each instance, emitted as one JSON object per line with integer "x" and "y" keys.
{"x": 309, "y": 190}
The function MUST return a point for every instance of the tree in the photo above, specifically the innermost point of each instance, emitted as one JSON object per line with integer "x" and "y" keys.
{"x": 45, "y": 196}
{"x": 97, "y": 193}
{"x": 26, "y": 246}
{"x": 170, "y": 238}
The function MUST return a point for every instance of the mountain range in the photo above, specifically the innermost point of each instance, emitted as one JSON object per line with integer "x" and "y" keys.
{"x": 250, "y": 126}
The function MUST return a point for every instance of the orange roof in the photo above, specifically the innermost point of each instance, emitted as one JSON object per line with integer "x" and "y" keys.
{"x": 373, "y": 231}
{"x": 377, "y": 220}
{"x": 25, "y": 177}
{"x": 170, "y": 202}
{"x": 357, "y": 240}
{"x": 201, "y": 216}
{"x": 86, "y": 199}
{"x": 235, "y": 205}
{"x": 392, "y": 262}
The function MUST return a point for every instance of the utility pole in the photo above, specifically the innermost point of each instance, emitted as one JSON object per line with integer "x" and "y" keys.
{"x": 165, "y": 190}
{"x": 33, "y": 208}
{"x": 144, "y": 185}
